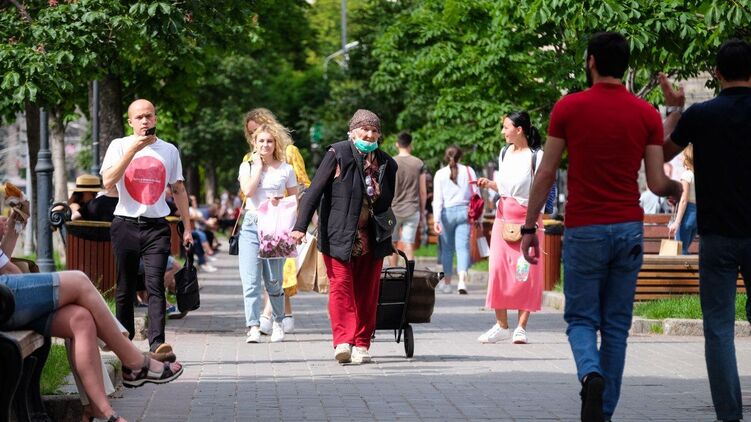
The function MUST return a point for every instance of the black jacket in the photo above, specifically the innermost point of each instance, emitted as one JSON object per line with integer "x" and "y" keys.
{"x": 339, "y": 201}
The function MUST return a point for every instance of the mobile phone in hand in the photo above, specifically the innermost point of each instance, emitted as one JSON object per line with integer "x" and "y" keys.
{"x": 150, "y": 131}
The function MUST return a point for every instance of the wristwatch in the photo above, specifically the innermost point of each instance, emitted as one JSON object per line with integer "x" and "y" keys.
{"x": 673, "y": 109}
{"x": 528, "y": 230}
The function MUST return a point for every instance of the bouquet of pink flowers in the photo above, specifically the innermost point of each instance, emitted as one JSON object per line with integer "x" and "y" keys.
{"x": 275, "y": 224}
{"x": 277, "y": 246}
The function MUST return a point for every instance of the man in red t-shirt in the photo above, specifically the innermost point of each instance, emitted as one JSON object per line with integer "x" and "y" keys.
{"x": 607, "y": 131}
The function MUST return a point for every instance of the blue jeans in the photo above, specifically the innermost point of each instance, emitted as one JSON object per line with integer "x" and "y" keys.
{"x": 720, "y": 258}
{"x": 253, "y": 269}
{"x": 601, "y": 264}
{"x": 454, "y": 237}
{"x": 688, "y": 228}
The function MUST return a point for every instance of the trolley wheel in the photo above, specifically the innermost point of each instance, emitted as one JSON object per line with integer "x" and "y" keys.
{"x": 409, "y": 341}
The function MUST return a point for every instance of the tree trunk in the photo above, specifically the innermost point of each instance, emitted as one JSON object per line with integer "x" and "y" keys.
{"x": 110, "y": 112}
{"x": 32, "y": 139}
{"x": 209, "y": 185}
{"x": 57, "y": 147}
{"x": 192, "y": 180}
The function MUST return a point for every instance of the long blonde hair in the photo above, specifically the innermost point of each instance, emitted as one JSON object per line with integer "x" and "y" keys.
{"x": 260, "y": 116}
{"x": 281, "y": 139}
{"x": 688, "y": 157}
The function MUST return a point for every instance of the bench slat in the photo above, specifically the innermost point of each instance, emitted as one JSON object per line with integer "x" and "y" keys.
{"x": 27, "y": 339}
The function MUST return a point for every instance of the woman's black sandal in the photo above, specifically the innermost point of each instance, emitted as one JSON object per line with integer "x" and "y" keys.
{"x": 132, "y": 379}
{"x": 113, "y": 418}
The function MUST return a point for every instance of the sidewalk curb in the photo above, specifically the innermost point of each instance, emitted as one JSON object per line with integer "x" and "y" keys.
{"x": 644, "y": 326}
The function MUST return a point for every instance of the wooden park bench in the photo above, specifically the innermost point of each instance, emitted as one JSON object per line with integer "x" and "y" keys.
{"x": 663, "y": 276}
{"x": 22, "y": 357}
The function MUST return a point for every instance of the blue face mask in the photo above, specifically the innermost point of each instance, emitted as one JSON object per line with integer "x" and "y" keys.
{"x": 365, "y": 146}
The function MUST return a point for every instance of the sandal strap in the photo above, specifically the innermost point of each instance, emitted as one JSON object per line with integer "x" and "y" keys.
{"x": 113, "y": 418}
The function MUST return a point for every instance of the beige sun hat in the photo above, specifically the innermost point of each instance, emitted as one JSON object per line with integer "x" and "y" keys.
{"x": 88, "y": 183}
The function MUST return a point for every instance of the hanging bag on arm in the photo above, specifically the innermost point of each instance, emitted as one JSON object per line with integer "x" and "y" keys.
{"x": 476, "y": 207}
{"x": 186, "y": 282}
{"x": 384, "y": 221}
{"x": 234, "y": 239}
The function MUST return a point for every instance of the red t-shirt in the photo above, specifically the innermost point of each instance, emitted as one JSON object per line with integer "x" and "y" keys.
{"x": 607, "y": 130}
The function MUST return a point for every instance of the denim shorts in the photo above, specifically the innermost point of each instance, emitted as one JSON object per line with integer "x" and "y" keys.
{"x": 36, "y": 297}
{"x": 406, "y": 228}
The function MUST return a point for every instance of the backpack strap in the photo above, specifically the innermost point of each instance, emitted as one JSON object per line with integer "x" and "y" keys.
{"x": 503, "y": 152}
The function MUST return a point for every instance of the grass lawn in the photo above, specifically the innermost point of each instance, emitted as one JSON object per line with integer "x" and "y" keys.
{"x": 55, "y": 370}
{"x": 682, "y": 307}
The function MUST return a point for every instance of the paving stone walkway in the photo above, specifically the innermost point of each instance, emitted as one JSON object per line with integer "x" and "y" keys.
{"x": 451, "y": 377}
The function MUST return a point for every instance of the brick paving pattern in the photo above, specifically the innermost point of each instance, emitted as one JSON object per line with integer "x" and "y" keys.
{"x": 451, "y": 377}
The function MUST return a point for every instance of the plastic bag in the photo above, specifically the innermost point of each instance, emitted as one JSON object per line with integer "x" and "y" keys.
{"x": 274, "y": 227}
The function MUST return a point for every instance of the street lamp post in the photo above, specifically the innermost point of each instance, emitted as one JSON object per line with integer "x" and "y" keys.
{"x": 44, "y": 170}
{"x": 95, "y": 127}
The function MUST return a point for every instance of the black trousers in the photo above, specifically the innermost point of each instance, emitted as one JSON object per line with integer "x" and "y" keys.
{"x": 132, "y": 241}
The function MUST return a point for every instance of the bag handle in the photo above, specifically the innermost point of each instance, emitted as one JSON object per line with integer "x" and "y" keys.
{"x": 188, "y": 253}
{"x": 239, "y": 215}
{"x": 362, "y": 177}
{"x": 469, "y": 177}
{"x": 242, "y": 207}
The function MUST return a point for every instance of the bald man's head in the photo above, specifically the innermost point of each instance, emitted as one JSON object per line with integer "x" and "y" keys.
{"x": 141, "y": 116}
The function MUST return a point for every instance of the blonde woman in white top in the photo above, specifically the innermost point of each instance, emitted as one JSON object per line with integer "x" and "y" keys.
{"x": 266, "y": 176}
{"x": 684, "y": 227}
{"x": 451, "y": 194}
{"x": 515, "y": 174}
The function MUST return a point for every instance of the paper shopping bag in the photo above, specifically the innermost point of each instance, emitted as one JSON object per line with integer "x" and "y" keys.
{"x": 482, "y": 246}
{"x": 670, "y": 247}
{"x": 322, "y": 278}
{"x": 307, "y": 263}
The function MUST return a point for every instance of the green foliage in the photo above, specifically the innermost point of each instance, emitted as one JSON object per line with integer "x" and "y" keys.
{"x": 683, "y": 307}
{"x": 55, "y": 370}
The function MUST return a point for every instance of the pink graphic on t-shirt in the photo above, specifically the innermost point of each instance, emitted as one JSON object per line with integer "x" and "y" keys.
{"x": 145, "y": 179}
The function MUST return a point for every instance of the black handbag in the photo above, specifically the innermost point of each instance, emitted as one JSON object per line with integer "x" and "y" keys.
{"x": 234, "y": 239}
{"x": 186, "y": 285}
{"x": 384, "y": 221}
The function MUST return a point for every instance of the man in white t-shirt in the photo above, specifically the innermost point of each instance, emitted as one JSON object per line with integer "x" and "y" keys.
{"x": 141, "y": 166}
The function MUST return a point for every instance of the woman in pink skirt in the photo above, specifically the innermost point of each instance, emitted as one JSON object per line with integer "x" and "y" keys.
{"x": 512, "y": 283}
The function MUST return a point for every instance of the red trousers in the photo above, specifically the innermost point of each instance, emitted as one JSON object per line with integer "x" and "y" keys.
{"x": 353, "y": 298}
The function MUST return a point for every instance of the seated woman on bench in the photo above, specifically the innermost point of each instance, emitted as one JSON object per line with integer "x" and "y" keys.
{"x": 66, "y": 304}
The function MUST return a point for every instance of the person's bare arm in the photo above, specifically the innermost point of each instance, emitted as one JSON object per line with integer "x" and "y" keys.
{"x": 657, "y": 181}
{"x": 249, "y": 184}
{"x": 423, "y": 196}
{"x": 111, "y": 175}
{"x": 673, "y": 226}
{"x": 10, "y": 268}
{"x": 8, "y": 243}
{"x": 538, "y": 194}
{"x": 180, "y": 194}
{"x": 674, "y": 97}
{"x": 670, "y": 149}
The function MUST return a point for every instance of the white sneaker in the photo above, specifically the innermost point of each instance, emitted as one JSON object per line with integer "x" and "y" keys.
{"x": 265, "y": 326}
{"x": 494, "y": 335}
{"x": 520, "y": 336}
{"x": 211, "y": 258}
{"x": 288, "y": 323}
{"x": 461, "y": 287}
{"x": 343, "y": 353}
{"x": 446, "y": 288}
{"x": 360, "y": 355}
{"x": 254, "y": 335}
{"x": 209, "y": 268}
{"x": 277, "y": 334}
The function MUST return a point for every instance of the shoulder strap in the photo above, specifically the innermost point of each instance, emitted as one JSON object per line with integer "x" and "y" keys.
{"x": 503, "y": 152}
{"x": 534, "y": 161}
{"x": 469, "y": 178}
{"x": 358, "y": 164}
{"x": 242, "y": 207}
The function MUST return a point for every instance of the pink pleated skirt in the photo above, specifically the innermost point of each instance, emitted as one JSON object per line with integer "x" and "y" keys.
{"x": 504, "y": 291}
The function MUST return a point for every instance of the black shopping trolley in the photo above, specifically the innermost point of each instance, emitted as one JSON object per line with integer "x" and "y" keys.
{"x": 406, "y": 297}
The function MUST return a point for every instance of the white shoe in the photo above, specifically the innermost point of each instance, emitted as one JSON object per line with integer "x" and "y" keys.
{"x": 209, "y": 268}
{"x": 288, "y": 323}
{"x": 343, "y": 353}
{"x": 447, "y": 288}
{"x": 461, "y": 287}
{"x": 211, "y": 258}
{"x": 520, "y": 336}
{"x": 254, "y": 335}
{"x": 360, "y": 355}
{"x": 265, "y": 325}
{"x": 277, "y": 334}
{"x": 494, "y": 335}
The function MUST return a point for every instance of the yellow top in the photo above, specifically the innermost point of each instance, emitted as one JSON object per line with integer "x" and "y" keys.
{"x": 295, "y": 160}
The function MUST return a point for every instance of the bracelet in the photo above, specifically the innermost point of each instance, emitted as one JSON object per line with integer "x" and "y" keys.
{"x": 673, "y": 109}
{"x": 528, "y": 230}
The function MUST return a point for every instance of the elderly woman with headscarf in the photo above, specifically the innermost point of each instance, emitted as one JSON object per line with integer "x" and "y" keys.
{"x": 354, "y": 184}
